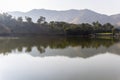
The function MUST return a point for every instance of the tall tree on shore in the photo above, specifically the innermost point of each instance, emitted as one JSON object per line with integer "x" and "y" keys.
{"x": 28, "y": 19}
{"x": 41, "y": 20}
{"x": 20, "y": 19}
{"x": 108, "y": 27}
{"x": 97, "y": 26}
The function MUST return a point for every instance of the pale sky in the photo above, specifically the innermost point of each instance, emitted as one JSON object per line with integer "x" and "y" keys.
{"x": 101, "y": 6}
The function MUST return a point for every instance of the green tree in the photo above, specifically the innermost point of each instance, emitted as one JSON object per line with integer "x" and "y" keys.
{"x": 41, "y": 20}
{"x": 97, "y": 27}
{"x": 20, "y": 19}
{"x": 28, "y": 19}
{"x": 108, "y": 27}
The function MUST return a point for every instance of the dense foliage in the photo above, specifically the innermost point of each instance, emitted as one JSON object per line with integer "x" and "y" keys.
{"x": 19, "y": 26}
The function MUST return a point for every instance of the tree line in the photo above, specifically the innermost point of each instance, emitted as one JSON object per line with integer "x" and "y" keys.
{"x": 11, "y": 25}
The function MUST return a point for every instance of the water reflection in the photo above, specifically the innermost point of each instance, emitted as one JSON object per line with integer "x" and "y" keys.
{"x": 59, "y": 58}
{"x": 101, "y": 67}
{"x": 60, "y": 46}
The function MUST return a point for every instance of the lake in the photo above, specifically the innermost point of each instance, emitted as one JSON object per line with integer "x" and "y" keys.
{"x": 59, "y": 58}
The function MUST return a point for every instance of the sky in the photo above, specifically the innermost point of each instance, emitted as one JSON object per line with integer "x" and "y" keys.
{"x": 108, "y": 7}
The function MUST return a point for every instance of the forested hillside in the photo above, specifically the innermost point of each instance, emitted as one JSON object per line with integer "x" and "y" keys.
{"x": 12, "y": 26}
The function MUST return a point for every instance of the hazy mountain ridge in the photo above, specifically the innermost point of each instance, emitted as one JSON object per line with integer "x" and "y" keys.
{"x": 71, "y": 16}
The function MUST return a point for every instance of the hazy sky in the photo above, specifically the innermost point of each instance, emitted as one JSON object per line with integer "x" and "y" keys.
{"x": 101, "y": 6}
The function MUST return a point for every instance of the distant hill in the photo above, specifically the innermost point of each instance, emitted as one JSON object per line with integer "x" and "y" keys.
{"x": 71, "y": 16}
{"x": 116, "y": 18}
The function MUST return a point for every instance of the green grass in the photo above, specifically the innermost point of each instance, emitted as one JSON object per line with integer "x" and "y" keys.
{"x": 104, "y": 33}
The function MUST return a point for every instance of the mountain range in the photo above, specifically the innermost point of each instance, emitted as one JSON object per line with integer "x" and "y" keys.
{"x": 71, "y": 16}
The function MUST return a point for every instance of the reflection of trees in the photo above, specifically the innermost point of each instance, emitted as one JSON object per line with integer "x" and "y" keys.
{"x": 29, "y": 48}
{"x": 41, "y": 43}
{"x": 41, "y": 49}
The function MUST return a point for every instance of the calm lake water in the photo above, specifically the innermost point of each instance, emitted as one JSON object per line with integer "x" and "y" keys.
{"x": 59, "y": 58}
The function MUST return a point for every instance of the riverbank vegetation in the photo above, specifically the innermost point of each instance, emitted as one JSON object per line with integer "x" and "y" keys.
{"x": 19, "y": 26}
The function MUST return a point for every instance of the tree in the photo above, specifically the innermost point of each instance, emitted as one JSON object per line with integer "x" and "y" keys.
{"x": 108, "y": 27}
{"x": 20, "y": 19}
{"x": 52, "y": 24}
{"x": 41, "y": 20}
{"x": 97, "y": 27}
{"x": 28, "y": 19}
{"x": 5, "y": 18}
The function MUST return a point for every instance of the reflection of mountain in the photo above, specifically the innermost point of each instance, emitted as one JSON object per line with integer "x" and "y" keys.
{"x": 60, "y": 46}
